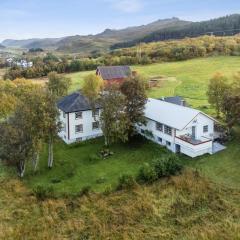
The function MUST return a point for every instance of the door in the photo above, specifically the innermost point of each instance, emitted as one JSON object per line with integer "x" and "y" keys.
{"x": 193, "y": 132}
{"x": 178, "y": 148}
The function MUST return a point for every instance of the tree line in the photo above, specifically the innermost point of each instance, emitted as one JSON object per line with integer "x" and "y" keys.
{"x": 176, "y": 50}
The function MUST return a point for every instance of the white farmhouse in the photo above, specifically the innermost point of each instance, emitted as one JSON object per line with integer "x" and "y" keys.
{"x": 169, "y": 123}
{"x": 79, "y": 122}
{"x": 181, "y": 129}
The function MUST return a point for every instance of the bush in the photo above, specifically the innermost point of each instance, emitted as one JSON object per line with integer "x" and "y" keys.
{"x": 43, "y": 192}
{"x": 160, "y": 167}
{"x": 126, "y": 181}
{"x": 147, "y": 174}
{"x": 173, "y": 165}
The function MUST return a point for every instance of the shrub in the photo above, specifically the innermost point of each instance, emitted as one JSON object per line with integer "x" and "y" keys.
{"x": 147, "y": 174}
{"x": 173, "y": 165}
{"x": 160, "y": 167}
{"x": 126, "y": 181}
{"x": 43, "y": 192}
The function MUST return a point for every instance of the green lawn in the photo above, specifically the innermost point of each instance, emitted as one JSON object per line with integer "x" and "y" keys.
{"x": 75, "y": 169}
{"x": 222, "y": 167}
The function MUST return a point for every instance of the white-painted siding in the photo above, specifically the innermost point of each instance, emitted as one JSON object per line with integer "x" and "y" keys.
{"x": 70, "y": 136}
{"x": 188, "y": 149}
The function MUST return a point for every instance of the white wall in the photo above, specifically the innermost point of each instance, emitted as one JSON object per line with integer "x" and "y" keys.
{"x": 199, "y": 122}
{"x": 70, "y": 136}
{"x": 186, "y": 148}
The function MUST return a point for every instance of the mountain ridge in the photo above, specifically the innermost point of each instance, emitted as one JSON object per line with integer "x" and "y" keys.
{"x": 99, "y": 42}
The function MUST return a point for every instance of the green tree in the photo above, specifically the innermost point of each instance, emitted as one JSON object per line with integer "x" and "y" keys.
{"x": 114, "y": 120}
{"x": 135, "y": 100}
{"x": 92, "y": 86}
{"x": 58, "y": 85}
{"x": 216, "y": 91}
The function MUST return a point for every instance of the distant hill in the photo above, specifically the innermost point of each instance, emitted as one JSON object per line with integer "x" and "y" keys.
{"x": 103, "y": 41}
{"x": 97, "y": 43}
{"x": 31, "y": 43}
{"x": 224, "y": 26}
{"x": 1, "y": 46}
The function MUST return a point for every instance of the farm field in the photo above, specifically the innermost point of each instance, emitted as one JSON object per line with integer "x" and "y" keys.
{"x": 186, "y": 78}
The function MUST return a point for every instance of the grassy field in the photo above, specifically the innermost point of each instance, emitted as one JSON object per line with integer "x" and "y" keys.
{"x": 77, "y": 167}
{"x": 187, "y": 78}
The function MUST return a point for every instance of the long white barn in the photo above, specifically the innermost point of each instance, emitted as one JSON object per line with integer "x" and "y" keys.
{"x": 181, "y": 129}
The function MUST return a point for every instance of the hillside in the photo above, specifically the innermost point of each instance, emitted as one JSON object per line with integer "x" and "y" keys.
{"x": 31, "y": 43}
{"x": 1, "y": 46}
{"x": 99, "y": 42}
{"x": 183, "y": 207}
{"x": 224, "y": 26}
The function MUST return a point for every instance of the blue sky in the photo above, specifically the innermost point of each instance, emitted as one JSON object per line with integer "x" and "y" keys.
{"x": 21, "y": 19}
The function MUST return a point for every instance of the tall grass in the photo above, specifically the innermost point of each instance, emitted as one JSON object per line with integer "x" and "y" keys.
{"x": 182, "y": 207}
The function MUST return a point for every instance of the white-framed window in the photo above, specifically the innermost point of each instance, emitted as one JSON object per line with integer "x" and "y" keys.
{"x": 95, "y": 125}
{"x": 159, "y": 127}
{"x": 168, "y": 130}
{"x": 79, "y": 128}
{"x": 160, "y": 140}
{"x": 142, "y": 131}
{"x": 78, "y": 115}
{"x": 205, "y": 129}
{"x": 168, "y": 144}
{"x": 95, "y": 113}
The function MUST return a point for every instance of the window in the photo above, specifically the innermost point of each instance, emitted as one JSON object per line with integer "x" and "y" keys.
{"x": 64, "y": 127}
{"x": 95, "y": 113}
{"x": 168, "y": 144}
{"x": 79, "y": 128}
{"x": 95, "y": 125}
{"x": 159, "y": 127}
{"x": 205, "y": 129}
{"x": 168, "y": 130}
{"x": 159, "y": 139}
{"x": 78, "y": 115}
{"x": 64, "y": 115}
{"x": 142, "y": 131}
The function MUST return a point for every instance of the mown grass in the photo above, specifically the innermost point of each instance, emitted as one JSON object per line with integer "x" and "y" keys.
{"x": 185, "y": 207}
{"x": 76, "y": 166}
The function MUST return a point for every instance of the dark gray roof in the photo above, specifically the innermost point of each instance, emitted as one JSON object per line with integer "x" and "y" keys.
{"x": 114, "y": 72}
{"x": 175, "y": 100}
{"x": 75, "y": 102}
